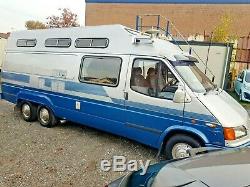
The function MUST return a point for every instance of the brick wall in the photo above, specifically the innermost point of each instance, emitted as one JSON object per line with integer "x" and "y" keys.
{"x": 189, "y": 18}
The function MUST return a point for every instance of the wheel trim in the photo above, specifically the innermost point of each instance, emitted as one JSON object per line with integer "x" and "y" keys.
{"x": 44, "y": 116}
{"x": 180, "y": 150}
{"x": 26, "y": 111}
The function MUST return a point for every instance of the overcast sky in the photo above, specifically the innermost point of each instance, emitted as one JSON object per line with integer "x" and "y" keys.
{"x": 14, "y": 13}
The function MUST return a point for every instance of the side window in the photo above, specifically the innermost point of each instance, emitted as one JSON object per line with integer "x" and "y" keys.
{"x": 26, "y": 43}
{"x": 153, "y": 78}
{"x": 100, "y": 70}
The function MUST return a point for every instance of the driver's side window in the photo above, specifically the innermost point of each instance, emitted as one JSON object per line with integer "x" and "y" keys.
{"x": 153, "y": 77}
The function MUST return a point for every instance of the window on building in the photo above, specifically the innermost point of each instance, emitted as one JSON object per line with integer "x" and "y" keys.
{"x": 58, "y": 42}
{"x": 26, "y": 43}
{"x": 153, "y": 78}
{"x": 100, "y": 70}
{"x": 91, "y": 43}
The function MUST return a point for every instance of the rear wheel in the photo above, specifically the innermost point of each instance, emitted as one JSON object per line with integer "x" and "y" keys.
{"x": 177, "y": 146}
{"x": 46, "y": 117}
{"x": 28, "y": 111}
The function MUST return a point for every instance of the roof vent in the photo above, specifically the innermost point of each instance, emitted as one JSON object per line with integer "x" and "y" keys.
{"x": 142, "y": 40}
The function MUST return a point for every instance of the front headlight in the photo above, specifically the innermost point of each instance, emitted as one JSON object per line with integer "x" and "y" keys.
{"x": 233, "y": 133}
{"x": 240, "y": 131}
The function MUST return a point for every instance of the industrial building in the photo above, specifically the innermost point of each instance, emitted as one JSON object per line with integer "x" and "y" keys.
{"x": 190, "y": 16}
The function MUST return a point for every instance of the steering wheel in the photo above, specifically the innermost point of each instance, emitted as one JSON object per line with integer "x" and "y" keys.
{"x": 172, "y": 82}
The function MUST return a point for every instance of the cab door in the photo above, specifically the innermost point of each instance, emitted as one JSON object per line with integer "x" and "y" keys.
{"x": 150, "y": 110}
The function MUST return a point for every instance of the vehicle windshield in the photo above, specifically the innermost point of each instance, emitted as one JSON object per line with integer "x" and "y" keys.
{"x": 193, "y": 76}
{"x": 247, "y": 77}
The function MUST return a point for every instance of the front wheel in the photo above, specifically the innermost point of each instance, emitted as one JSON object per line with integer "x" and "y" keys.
{"x": 177, "y": 146}
{"x": 46, "y": 117}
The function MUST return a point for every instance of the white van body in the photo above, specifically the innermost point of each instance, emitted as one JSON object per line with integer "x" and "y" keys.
{"x": 3, "y": 42}
{"x": 56, "y": 77}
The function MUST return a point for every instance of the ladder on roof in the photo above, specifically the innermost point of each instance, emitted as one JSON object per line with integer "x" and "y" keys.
{"x": 165, "y": 32}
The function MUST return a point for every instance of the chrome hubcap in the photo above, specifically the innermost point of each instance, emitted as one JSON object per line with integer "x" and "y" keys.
{"x": 180, "y": 150}
{"x": 26, "y": 110}
{"x": 44, "y": 115}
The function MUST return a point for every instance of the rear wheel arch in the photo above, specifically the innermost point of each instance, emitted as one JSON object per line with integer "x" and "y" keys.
{"x": 34, "y": 99}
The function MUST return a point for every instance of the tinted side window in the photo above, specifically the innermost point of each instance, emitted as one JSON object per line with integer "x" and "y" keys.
{"x": 58, "y": 42}
{"x": 101, "y": 70}
{"x": 153, "y": 78}
{"x": 26, "y": 43}
{"x": 91, "y": 43}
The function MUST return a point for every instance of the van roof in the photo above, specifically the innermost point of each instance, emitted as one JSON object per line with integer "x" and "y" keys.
{"x": 121, "y": 41}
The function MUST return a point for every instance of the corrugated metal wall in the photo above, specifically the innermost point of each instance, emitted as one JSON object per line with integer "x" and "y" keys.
{"x": 243, "y": 53}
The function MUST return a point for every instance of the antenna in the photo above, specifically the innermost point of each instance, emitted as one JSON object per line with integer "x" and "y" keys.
{"x": 208, "y": 51}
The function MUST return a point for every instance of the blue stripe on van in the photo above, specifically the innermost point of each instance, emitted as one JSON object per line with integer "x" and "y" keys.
{"x": 85, "y": 88}
{"x": 16, "y": 77}
{"x": 69, "y": 85}
{"x": 100, "y": 91}
{"x": 136, "y": 106}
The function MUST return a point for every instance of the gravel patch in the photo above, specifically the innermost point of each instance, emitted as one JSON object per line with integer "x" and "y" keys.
{"x": 66, "y": 155}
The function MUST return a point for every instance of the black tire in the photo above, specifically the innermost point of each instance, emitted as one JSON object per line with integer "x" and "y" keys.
{"x": 50, "y": 119}
{"x": 180, "y": 139}
{"x": 28, "y": 111}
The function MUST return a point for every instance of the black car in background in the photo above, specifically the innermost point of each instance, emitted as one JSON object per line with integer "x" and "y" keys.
{"x": 220, "y": 168}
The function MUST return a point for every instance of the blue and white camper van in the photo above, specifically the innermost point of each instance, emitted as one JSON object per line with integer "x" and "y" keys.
{"x": 123, "y": 82}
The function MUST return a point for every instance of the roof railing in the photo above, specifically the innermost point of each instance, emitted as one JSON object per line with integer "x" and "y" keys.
{"x": 166, "y": 32}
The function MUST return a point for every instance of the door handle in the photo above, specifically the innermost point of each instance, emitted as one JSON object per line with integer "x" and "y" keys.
{"x": 126, "y": 95}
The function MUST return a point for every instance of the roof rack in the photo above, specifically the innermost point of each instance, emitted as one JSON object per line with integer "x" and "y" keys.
{"x": 164, "y": 33}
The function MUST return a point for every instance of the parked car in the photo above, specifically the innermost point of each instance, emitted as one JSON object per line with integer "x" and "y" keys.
{"x": 123, "y": 82}
{"x": 242, "y": 85}
{"x": 222, "y": 168}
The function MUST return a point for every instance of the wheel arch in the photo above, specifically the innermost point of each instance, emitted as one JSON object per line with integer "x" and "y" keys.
{"x": 169, "y": 133}
{"x": 36, "y": 99}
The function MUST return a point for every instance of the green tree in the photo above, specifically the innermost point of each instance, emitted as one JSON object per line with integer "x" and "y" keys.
{"x": 32, "y": 25}
{"x": 223, "y": 31}
{"x": 66, "y": 19}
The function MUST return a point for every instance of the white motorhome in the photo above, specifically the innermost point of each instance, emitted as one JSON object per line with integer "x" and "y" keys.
{"x": 120, "y": 81}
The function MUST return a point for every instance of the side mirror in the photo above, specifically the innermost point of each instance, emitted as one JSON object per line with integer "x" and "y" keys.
{"x": 240, "y": 80}
{"x": 180, "y": 96}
